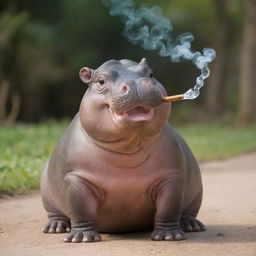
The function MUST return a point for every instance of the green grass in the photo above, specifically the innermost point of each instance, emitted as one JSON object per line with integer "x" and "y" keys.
{"x": 24, "y": 149}
{"x": 218, "y": 141}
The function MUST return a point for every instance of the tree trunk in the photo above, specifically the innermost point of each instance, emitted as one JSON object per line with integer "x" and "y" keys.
{"x": 5, "y": 117}
{"x": 213, "y": 102}
{"x": 4, "y": 91}
{"x": 247, "y": 106}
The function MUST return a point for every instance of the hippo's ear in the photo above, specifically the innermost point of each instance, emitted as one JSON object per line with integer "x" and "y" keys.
{"x": 86, "y": 74}
{"x": 144, "y": 61}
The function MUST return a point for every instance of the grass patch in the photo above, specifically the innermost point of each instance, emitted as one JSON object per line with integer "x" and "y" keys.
{"x": 218, "y": 140}
{"x": 24, "y": 149}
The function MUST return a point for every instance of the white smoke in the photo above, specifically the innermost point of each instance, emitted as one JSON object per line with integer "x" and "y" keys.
{"x": 148, "y": 27}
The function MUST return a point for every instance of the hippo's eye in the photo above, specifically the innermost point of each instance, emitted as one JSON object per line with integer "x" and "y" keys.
{"x": 101, "y": 81}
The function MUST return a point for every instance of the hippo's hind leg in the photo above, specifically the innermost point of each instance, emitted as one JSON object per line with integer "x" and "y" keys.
{"x": 188, "y": 221}
{"x": 82, "y": 199}
{"x": 56, "y": 224}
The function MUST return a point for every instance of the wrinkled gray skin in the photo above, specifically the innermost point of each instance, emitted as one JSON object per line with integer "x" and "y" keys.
{"x": 120, "y": 166}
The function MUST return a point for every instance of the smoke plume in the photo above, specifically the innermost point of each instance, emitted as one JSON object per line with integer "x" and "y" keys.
{"x": 148, "y": 27}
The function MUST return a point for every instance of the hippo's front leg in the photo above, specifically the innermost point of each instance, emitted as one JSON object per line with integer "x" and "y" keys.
{"x": 168, "y": 200}
{"x": 83, "y": 204}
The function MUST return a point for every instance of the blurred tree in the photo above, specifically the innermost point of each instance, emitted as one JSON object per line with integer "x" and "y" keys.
{"x": 41, "y": 60}
{"x": 9, "y": 97}
{"x": 214, "y": 94}
{"x": 247, "y": 106}
{"x": 29, "y": 63}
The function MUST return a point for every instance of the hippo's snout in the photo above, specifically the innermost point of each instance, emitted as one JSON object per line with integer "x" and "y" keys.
{"x": 142, "y": 92}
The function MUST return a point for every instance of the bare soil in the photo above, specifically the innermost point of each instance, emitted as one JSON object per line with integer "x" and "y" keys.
{"x": 228, "y": 210}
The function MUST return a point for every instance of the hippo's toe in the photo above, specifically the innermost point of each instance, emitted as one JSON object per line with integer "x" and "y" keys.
{"x": 57, "y": 226}
{"x": 191, "y": 224}
{"x": 83, "y": 236}
{"x": 168, "y": 235}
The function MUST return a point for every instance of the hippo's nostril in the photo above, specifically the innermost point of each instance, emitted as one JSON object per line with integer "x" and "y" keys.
{"x": 124, "y": 88}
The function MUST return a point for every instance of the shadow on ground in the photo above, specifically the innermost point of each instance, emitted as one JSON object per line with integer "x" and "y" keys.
{"x": 214, "y": 233}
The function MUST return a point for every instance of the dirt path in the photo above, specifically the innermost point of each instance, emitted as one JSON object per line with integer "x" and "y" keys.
{"x": 229, "y": 211}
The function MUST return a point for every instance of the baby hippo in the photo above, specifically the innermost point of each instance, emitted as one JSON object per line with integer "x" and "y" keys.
{"x": 120, "y": 166}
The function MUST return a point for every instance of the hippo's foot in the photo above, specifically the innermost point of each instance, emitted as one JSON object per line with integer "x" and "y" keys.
{"x": 172, "y": 234}
{"x": 57, "y": 225}
{"x": 83, "y": 236}
{"x": 191, "y": 224}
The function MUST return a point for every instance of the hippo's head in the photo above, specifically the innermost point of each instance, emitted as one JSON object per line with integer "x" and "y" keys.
{"x": 123, "y": 100}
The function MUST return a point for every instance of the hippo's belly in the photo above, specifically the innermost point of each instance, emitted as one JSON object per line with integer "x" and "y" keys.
{"x": 126, "y": 208}
{"x": 125, "y": 198}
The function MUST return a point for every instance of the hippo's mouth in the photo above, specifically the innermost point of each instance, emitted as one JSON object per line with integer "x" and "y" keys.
{"x": 138, "y": 113}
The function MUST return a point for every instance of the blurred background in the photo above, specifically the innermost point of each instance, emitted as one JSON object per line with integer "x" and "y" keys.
{"x": 44, "y": 43}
